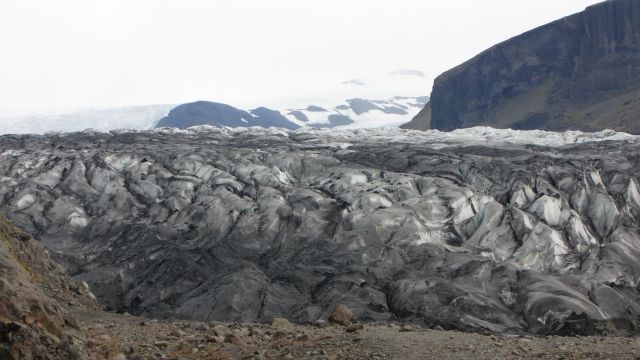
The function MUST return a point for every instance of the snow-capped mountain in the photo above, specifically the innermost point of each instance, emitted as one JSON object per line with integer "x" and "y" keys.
{"x": 352, "y": 113}
{"x": 359, "y": 113}
{"x": 378, "y": 100}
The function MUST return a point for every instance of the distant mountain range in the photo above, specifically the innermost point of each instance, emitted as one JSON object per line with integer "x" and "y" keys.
{"x": 359, "y": 113}
{"x": 223, "y": 115}
{"x": 578, "y": 73}
{"x": 352, "y": 113}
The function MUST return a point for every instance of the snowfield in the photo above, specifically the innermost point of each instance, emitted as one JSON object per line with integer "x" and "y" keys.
{"x": 102, "y": 119}
{"x": 476, "y": 229}
{"x": 359, "y": 113}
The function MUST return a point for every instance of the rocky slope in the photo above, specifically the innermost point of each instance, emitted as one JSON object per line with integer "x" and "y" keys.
{"x": 36, "y": 302}
{"x": 476, "y": 230}
{"x": 577, "y": 73}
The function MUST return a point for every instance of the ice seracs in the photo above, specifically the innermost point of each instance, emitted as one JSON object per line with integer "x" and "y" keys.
{"x": 477, "y": 229}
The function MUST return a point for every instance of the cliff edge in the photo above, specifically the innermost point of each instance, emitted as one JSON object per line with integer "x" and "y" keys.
{"x": 577, "y": 73}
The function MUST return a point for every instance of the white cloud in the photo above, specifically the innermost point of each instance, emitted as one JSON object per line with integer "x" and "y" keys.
{"x": 70, "y": 53}
{"x": 358, "y": 82}
{"x": 408, "y": 72}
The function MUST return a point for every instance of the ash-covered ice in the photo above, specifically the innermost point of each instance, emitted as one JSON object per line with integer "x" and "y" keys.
{"x": 477, "y": 229}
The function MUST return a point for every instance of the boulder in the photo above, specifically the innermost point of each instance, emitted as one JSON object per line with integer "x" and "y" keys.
{"x": 342, "y": 315}
{"x": 282, "y": 324}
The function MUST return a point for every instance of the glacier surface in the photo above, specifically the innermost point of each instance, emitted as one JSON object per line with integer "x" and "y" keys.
{"x": 476, "y": 229}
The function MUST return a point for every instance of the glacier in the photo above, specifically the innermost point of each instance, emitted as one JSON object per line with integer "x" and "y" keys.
{"x": 477, "y": 229}
{"x": 69, "y": 120}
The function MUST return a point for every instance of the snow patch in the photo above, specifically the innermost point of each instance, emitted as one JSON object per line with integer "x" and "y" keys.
{"x": 633, "y": 195}
{"x": 77, "y": 220}
{"x": 25, "y": 201}
{"x": 355, "y": 179}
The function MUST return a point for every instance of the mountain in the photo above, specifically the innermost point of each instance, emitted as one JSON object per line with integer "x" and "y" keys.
{"x": 355, "y": 112}
{"x": 359, "y": 113}
{"x": 222, "y": 115}
{"x": 580, "y": 72}
{"x": 378, "y": 100}
{"x": 477, "y": 229}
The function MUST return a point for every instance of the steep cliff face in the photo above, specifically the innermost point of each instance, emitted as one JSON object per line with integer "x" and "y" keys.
{"x": 579, "y": 73}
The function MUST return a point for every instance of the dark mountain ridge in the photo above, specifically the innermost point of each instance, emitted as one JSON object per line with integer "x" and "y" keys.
{"x": 223, "y": 115}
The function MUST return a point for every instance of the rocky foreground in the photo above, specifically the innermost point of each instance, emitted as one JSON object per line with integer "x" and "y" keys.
{"x": 485, "y": 231}
{"x": 128, "y": 337}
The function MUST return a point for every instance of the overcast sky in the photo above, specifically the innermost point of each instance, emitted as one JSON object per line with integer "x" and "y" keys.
{"x": 77, "y": 53}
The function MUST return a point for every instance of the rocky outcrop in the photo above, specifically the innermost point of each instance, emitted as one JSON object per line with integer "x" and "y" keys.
{"x": 36, "y": 298}
{"x": 422, "y": 121}
{"x": 255, "y": 224}
{"x": 579, "y": 73}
